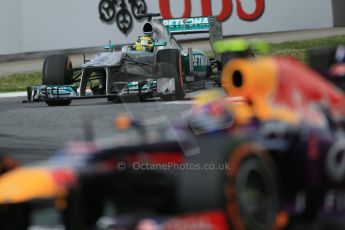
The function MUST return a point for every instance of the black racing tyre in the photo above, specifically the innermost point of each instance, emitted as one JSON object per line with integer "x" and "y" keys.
{"x": 73, "y": 216}
{"x": 15, "y": 216}
{"x": 252, "y": 194}
{"x": 83, "y": 210}
{"x": 168, "y": 65}
{"x": 57, "y": 102}
{"x": 243, "y": 183}
{"x": 321, "y": 58}
{"x": 168, "y": 97}
{"x": 57, "y": 70}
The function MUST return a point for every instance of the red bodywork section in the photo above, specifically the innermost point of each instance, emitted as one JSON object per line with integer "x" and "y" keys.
{"x": 299, "y": 86}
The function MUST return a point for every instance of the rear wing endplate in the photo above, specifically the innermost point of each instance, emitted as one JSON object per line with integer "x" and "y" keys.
{"x": 196, "y": 25}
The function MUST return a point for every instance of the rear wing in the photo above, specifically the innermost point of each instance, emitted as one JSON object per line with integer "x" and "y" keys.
{"x": 196, "y": 25}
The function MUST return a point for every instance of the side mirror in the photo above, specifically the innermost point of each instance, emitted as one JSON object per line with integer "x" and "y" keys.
{"x": 110, "y": 47}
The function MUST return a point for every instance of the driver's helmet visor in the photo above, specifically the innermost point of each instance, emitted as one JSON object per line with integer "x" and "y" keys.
{"x": 144, "y": 42}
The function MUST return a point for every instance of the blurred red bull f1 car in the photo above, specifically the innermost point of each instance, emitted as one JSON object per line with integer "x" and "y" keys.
{"x": 279, "y": 135}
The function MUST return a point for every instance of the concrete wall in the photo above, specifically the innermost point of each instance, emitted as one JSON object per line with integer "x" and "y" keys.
{"x": 42, "y": 25}
{"x": 338, "y": 12}
{"x": 10, "y": 27}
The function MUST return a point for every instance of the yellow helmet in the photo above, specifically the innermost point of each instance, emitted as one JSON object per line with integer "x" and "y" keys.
{"x": 144, "y": 43}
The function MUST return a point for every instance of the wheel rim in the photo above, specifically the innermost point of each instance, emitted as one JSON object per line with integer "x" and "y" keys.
{"x": 255, "y": 194}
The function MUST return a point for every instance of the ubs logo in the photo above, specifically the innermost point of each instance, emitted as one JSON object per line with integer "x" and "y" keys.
{"x": 123, "y": 11}
{"x": 118, "y": 10}
{"x": 226, "y": 9}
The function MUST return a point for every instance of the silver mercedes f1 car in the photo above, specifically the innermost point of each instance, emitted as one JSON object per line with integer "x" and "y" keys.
{"x": 167, "y": 70}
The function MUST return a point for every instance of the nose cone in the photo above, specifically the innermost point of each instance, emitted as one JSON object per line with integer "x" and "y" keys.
{"x": 25, "y": 184}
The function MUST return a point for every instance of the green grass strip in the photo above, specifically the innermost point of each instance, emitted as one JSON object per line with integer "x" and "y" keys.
{"x": 19, "y": 81}
{"x": 299, "y": 49}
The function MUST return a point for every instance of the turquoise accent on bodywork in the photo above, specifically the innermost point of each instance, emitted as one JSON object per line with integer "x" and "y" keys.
{"x": 134, "y": 86}
{"x": 111, "y": 46}
{"x": 62, "y": 89}
{"x": 201, "y": 63}
{"x": 187, "y": 24}
{"x": 160, "y": 43}
{"x": 138, "y": 51}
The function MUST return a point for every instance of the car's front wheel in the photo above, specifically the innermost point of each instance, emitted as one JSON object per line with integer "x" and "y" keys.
{"x": 240, "y": 181}
{"x": 57, "y": 70}
{"x": 251, "y": 192}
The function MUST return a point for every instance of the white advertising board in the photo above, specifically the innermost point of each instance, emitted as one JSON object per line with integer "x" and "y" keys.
{"x": 42, "y": 25}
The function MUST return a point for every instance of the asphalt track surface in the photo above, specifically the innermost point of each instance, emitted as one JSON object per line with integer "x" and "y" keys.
{"x": 34, "y": 131}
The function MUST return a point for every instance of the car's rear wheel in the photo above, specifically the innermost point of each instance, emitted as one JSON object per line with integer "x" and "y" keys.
{"x": 321, "y": 58}
{"x": 168, "y": 65}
